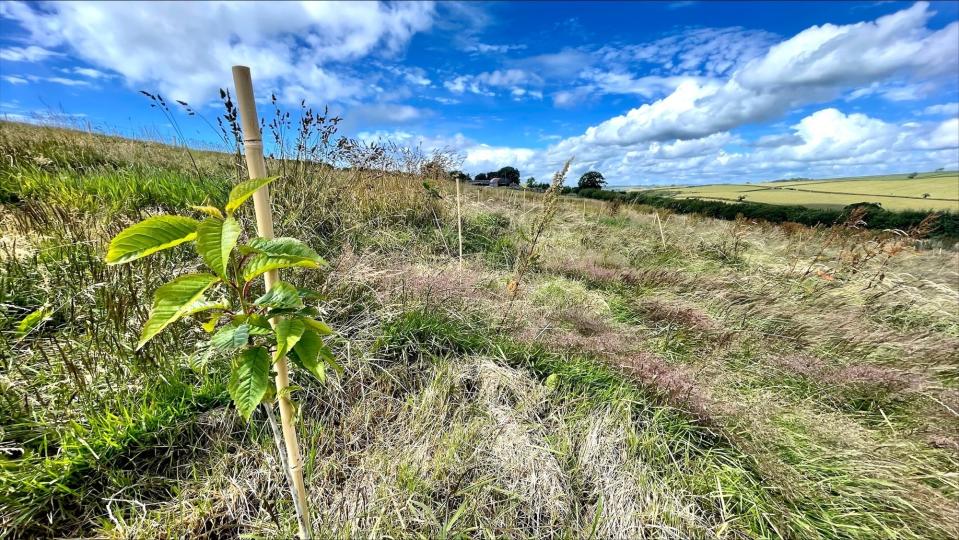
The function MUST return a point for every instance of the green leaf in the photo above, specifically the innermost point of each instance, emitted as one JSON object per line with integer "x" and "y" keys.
{"x": 285, "y": 247}
{"x": 288, "y": 334}
{"x": 278, "y": 253}
{"x": 149, "y": 236}
{"x": 230, "y": 337}
{"x": 33, "y": 320}
{"x": 270, "y": 396}
{"x": 243, "y": 191}
{"x": 249, "y": 380}
{"x": 327, "y": 355}
{"x": 306, "y": 354}
{"x": 174, "y": 300}
{"x": 310, "y": 293}
{"x": 210, "y": 325}
{"x": 257, "y": 331}
{"x": 319, "y": 327}
{"x": 215, "y": 240}
{"x": 211, "y": 211}
{"x": 261, "y": 264}
{"x": 259, "y": 325}
{"x": 203, "y": 304}
{"x": 315, "y": 368}
{"x": 281, "y": 296}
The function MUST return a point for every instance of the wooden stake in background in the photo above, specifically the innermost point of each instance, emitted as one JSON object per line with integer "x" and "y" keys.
{"x": 253, "y": 148}
{"x": 662, "y": 236}
{"x": 459, "y": 219}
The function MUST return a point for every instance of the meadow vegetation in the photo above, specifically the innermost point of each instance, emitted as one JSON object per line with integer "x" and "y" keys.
{"x": 646, "y": 375}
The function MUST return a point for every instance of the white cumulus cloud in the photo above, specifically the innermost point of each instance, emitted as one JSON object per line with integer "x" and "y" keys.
{"x": 186, "y": 48}
{"x": 813, "y": 66}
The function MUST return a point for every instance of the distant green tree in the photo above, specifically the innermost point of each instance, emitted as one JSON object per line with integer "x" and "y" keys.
{"x": 510, "y": 174}
{"x": 530, "y": 182}
{"x": 481, "y": 177}
{"x": 592, "y": 180}
{"x": 912, "y": 175}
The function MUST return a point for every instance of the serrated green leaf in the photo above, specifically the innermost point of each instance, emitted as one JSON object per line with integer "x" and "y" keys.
{"x": 288, "y": 394}
{"x": 215, "y": 240}
{"x": 307, "y": 311}
{"x": 316, "y": 368}
{"x": 321, "y": 373}
{"x": 149, "y": 236}
{"x": 310, "y": 294}
{"x": 288, "y": 334}
{"x": 211, "y": 211}
{"x": 244, "y": 190}
{"x": 203, "y": 304}
{"x": 261, "y": 264}
{"x": 33, "y": 320}
{"x": 249, "y": 380}
{"x": 285, "y": 246}
{"x": 210, "y": 325}
{"x": 259, "y": 325}
{"x": 306, "y": 354}
{"x": 319, "y": 327}
{"x": 281, "y": 296}
{"x": 230, "y": 337}
{"x": 270, "y": 395}
{"x": 327, "y": 355}
{"x": 278, "y": 253}
{"x": 172, "y": 301}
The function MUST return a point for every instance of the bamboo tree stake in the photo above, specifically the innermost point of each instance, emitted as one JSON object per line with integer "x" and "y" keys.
{"x": 662, "y": 236}
{"x": 253, "y": 149}
{"x": 459, "y": 219}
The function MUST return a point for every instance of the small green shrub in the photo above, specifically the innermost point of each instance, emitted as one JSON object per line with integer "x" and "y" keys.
{"x": 249, "y": 326}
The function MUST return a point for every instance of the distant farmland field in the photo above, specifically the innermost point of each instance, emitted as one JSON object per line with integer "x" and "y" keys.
{"x": 893, "y": 192}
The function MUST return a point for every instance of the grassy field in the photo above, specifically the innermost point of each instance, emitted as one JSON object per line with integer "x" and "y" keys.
{"x": 655, "y": 375}
{"x": 893, "y": 192}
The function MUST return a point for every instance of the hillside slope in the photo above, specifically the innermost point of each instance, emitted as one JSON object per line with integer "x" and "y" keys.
{"x": 657, "y": 376}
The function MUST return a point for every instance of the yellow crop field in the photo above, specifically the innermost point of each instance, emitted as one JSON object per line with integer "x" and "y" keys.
{"x": 930, "y": 191}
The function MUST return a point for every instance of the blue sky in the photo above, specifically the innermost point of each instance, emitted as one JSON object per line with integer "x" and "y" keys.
{"x": 645, "y": 92}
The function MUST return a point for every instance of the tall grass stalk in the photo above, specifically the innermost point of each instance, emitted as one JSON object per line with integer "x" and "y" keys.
{"x": 527, "y": 253}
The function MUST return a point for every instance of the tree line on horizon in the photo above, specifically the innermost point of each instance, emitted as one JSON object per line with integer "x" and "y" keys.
{"x": 588, "y": 180}
{"x": 946, "y": 224}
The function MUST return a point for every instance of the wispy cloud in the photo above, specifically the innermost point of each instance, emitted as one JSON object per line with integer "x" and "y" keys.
{"x": 31, "y": 53}
{"x": 64, "y": 81}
